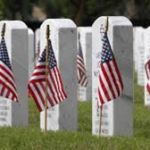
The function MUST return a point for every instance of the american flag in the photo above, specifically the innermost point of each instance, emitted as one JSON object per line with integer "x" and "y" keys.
{"x": 147, "y": 69}
{"x": 37, "y": 82}
{"x": 110, "y": 80}
{"x": 7, "y": 83}
{"x": 81, "y": 71}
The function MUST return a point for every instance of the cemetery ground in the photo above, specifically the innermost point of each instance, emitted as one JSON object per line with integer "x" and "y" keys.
{"x": 31, "y": 137}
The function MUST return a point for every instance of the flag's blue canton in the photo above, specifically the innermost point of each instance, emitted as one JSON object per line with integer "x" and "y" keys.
{"x": 3, "y": 53}
{"x": 107, "y": 54}
{"x": 80, "y": 51}
{"x": 52, "y": 59}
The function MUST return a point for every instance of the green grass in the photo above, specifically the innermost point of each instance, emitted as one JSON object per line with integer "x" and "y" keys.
{"x": 31, "y": 137}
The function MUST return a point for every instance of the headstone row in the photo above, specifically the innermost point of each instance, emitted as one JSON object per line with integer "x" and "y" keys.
{"x": 117, "y": 116}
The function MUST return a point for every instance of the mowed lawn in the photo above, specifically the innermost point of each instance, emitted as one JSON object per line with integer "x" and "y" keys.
{"x": 31, "y": 137}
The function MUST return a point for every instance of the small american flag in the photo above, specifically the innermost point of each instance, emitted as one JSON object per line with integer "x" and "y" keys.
{"x": 147, "y": 69}
{"x": 110, "y": 80}
{"x": 7, "y": 84}
{"x": 37, "y": 82}
{"x": 81, "y": 71}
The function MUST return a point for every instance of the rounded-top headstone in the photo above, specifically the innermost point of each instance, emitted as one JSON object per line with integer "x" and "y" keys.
{"x": 85, "y": 39}
{"x": 16, "y": 38}
{"x": 117, "y": 115}
{"x": 63, "y": 35}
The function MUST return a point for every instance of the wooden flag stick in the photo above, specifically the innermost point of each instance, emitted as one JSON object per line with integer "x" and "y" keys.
{"x": 46, "y": 72}
{"x": 3, "y": 30}
{"x": 101, "y": 108}
{"x": 107, "y": 24}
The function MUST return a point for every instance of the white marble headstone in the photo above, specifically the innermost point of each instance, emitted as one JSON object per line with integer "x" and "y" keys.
{"x": 85, "y": 93}
{"x": 117, "y": 115}
{"x": 37, "y": 45}
{"x": 146, "y": 58}
{"x": 31, "y": 51}
{"x": 16, "y": 37}
{"x": 63, "y": 34}
{"x": 140, "y": 56}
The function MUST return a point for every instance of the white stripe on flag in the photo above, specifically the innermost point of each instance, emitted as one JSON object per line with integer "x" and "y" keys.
{"x": 38, "y": 77}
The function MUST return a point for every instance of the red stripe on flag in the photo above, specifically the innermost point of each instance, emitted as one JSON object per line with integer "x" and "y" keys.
{"x": 61, "y": 84}
{"x": 54, "y": 83}
{"x": 52, "y": 92}
{"x": 108, "y": 81}
{"x": 8, "y": 80}
{"x": 56, "y": 77}
{"x": 104, "y": 88}
{"x": 2, "y": 91}
{"x": 38, "y": 74}
{"x": 114, "y": 80}
{"x": 37, "y": 80}
{"x": 44, "y": 88}
{"x": 13, "y": 97}
{"x": 40, "y": 95}
{"x": 7, "y": 95}
{"x": 35, "y": 98}
{"x": 6, "y": 70}
{"x": 38, "y": 67}
{"x": 7, "y": 87}
{"x": 148, "y": 88}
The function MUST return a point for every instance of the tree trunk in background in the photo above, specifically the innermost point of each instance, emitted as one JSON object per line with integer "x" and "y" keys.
{"x": 79, "y": 15}
{"x": 131, "y": 9}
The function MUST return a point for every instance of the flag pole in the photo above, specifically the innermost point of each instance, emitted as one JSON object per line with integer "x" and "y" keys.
{"x": 101, "y": 108}
{"x": 100, "y": 120}
{"x": 46, "y": 72}
{"x": 3, "y": 30}
{"x": 107, "y": 24}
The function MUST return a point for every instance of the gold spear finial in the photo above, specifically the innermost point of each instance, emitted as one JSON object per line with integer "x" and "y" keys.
{"x": 3, "y": 30}
{"x": 107, "y": 24}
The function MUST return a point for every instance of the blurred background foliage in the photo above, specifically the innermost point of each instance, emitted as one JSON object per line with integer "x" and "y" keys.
{"x": 83, "y": 12}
